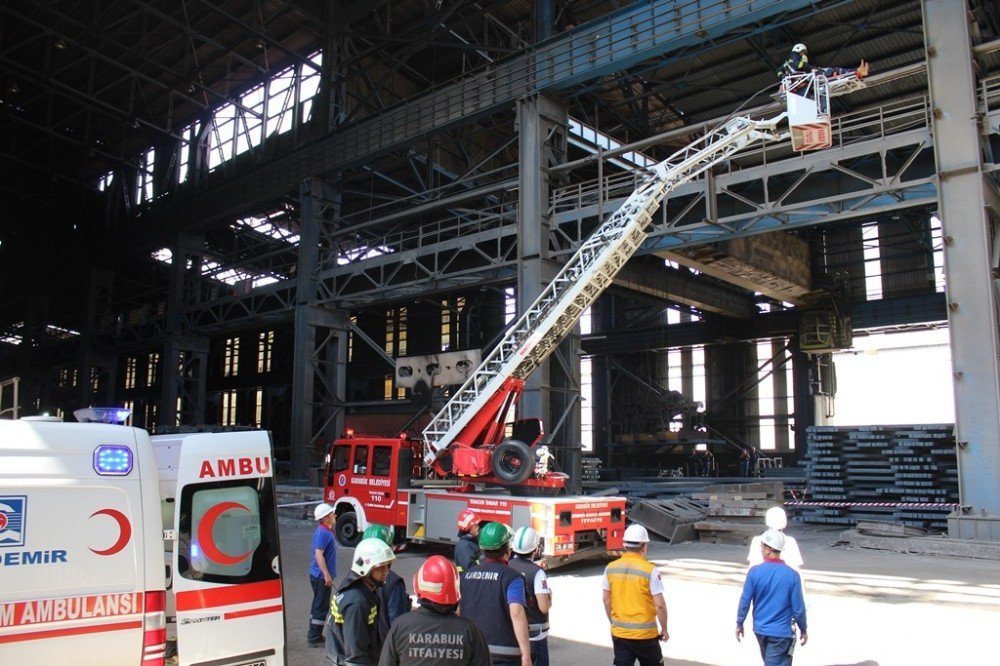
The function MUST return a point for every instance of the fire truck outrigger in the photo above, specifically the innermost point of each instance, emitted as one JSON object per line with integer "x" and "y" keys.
{"x": 465, "y": 458}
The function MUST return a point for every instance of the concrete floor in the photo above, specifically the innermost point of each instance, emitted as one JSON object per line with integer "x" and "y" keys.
{"x": 865, "y": 607}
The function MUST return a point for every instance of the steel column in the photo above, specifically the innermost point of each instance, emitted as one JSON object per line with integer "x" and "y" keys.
{"x": 552, "y": 392}
{"x": 969, "y": 226}
{"x": 319, "y": 371}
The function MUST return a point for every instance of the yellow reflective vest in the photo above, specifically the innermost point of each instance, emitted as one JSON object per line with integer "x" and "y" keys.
{"x": 632, "y": 612}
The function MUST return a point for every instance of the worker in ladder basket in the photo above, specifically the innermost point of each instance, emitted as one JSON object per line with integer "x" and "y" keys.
{"x": 798, "y": 63}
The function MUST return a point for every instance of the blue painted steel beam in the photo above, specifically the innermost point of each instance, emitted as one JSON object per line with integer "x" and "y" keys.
{"x": 626, "y": 37}
{"x": 920, "y": 195}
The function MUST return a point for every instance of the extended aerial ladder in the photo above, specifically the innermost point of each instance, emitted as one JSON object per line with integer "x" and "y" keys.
{"x": 466, "y": 438}
{"x": 475, "y": 415}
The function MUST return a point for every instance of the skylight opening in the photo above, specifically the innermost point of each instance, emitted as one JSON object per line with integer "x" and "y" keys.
{"x": 590, "y": 137}
{"x": 264, "y": 225}
{"x": 11, "y": 338}
{"x": 104, "y": 182}
{"x": 214, "y": 271}
{"x": 359, "y": 254}
{"x": 60, "y": 332}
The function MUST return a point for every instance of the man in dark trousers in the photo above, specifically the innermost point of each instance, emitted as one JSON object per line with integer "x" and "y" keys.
{"x": 393, "y": 599}
{"x": 467, "y": 552}
{"x": 354, "y": 609}
{"x": 774, "y": 589}
{"x": 434, "y": 634}
{"x": 322, "y": 569}
{"x": 526, "y": 544}
{"x": 493, "y": 598}
{"x": 634, "y": 604}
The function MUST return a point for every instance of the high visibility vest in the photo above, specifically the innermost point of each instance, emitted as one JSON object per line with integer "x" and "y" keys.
{"x": 632, "y": 612}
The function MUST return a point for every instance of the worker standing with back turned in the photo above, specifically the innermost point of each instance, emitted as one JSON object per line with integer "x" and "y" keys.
{"x": 774, "y": 590}
{"x": 434, "y": 634}
{"x": 493, "y": 597}
{"x": 526, "y": 545}
{"x": 633, "y": 601}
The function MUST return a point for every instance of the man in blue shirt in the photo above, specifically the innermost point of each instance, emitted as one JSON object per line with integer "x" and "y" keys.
{"x": 775, "y": 591}
{"x": 322, "y": 568}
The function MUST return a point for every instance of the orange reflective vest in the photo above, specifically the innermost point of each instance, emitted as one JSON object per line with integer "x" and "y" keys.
{"x": 632, "y": 612}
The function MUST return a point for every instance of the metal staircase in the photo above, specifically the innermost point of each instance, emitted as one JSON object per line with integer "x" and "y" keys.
{"x": 585, "y": 276}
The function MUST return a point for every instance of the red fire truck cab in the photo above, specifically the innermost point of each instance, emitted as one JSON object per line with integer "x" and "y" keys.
{"x": 381, "y": 480}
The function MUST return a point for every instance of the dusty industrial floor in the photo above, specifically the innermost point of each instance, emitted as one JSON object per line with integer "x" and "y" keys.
{"x": 865, "y": 607}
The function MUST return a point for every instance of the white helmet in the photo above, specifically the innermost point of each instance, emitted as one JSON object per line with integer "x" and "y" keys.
{"x": 773, "y": 539}
{"x": 635, "y": 535}
{"x": 525, "y": 541}
{"x": 775, "y": 518}
{"x": 799, "y": 48}
{"x": 322, "y": 510}
{"x": 371, "y": 553}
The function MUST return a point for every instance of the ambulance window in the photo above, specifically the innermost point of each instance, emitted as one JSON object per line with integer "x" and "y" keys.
{"x": 381, "y": 460}
{"x": 228, "y": 531}
{"x": 341, "y": 458}
{"x": 361, "y": 460}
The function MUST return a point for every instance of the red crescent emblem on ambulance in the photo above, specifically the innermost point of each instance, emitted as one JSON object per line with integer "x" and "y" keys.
{"x": 124, "y": 531}
{"x": 206, "y": 528}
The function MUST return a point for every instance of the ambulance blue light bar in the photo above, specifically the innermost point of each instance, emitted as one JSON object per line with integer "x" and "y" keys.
{"x": 113, "y": 460}
{"x": 102, "y": 414}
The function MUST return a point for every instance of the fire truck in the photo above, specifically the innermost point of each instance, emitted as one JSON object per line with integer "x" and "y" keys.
{"x": 468, "y": 456}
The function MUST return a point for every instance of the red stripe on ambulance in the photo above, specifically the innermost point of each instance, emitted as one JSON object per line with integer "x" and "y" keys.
{"x": 229, "y": 595}
{"x": 252, "y": 611}
{"x": 70, "y": 631}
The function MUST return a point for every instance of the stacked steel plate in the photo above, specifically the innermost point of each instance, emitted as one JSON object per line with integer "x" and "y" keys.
{"x": 902, "y": 473}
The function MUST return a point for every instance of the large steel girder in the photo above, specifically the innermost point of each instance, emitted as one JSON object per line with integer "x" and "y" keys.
{"x": 830, "y": 186}
{"x": 861, "y": 179}
{"x": 483, "y": 256}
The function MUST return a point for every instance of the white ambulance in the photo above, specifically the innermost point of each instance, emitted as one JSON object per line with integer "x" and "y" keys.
{"x": 116, "y": 548}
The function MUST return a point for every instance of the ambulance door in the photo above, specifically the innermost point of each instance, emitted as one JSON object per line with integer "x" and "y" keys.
{"x": 226, "y": 581}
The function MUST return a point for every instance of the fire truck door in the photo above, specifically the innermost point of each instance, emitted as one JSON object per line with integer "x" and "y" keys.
{"x": 226, "y": 580}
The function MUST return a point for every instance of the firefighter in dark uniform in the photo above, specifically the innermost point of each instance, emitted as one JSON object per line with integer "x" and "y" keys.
{"x": 393, "y": 599}
{"x": 798, "y": 63}
{"x": 434, "y": 634}
{"x": 354, "y": 609}
{"x": 493, "y": 598}
{"x": 467, "y": 553}
{"x": 526, "y": 545}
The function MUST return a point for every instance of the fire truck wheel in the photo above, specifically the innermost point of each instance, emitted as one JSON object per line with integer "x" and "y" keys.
{"x": 347, "y": 530}
{"x": 513, "y": 461}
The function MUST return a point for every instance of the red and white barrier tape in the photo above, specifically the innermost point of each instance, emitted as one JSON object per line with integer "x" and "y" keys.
{"x": 905, "y": 505}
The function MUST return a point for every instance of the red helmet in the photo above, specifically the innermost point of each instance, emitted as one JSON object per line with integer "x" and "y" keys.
{"x": 466, "y": 519}
{"x": 437, "y": 580}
